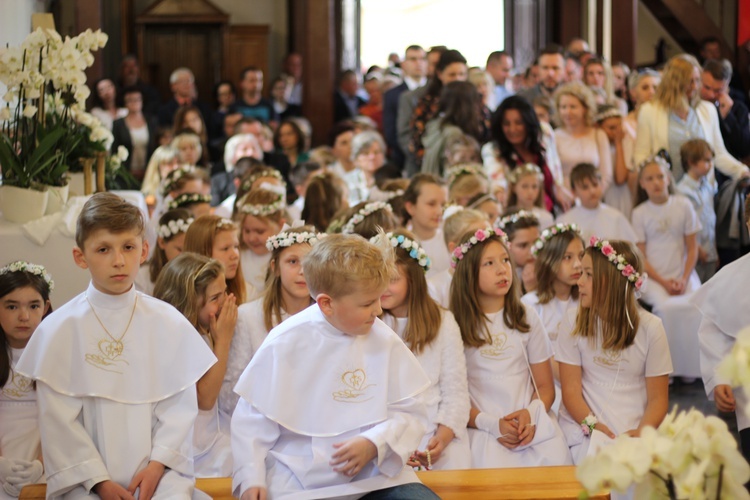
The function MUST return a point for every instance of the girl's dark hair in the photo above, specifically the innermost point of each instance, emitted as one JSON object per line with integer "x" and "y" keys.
{"x": 297, "y": 132}
{"x": 324, "y": 198}
{"x": 8, "y": 283}
{"x": 415, "y": 189}
{"x": 530, "y": 120}
{"x": 96, "y": 101}
{"x": 446, "y": 59}
{"x": 459, "y": 106}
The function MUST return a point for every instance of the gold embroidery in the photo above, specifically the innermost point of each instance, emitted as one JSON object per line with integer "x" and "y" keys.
{"x": 496, "y": 349}
{"x": 18, "y": 386}
{"x": 610, "y": 359}
{"x": 356, "y": 386}
{"x": 109, "y": 349}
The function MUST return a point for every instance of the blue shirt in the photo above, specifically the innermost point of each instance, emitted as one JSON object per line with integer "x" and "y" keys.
{"x": 681, "y": 131}
{"x": 701, "y": 195}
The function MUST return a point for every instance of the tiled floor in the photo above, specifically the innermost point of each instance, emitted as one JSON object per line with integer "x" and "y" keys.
{"x": 693, "y": 395}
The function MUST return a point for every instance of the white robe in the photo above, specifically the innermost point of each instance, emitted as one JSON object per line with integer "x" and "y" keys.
{"x": 604, "y": 222}
{"x": 613, "y": 383}
{"x": 439, "y": 286}
{"x": 254, "y": 268}
{"x": 106, "y": 410}
{"x": 339, "y": 387}
{"x": 437, "y": 251}
{"x": 447, "y": 398}
{"x": 500, "y": 383}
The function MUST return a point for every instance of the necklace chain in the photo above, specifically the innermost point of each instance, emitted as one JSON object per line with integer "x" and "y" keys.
{"x": 132, "y": 313}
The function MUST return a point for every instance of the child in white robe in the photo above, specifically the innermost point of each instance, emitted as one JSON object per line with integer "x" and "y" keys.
{"x": 195, "y": 286}
{"x": 507, "y": 360}
{"x": 24, "y": 301}
{"x": 169, "y": 243}
{"x": 522, "y": 229}
{"x": 352, "y": 419}
{"x": 116, "y": 413}
{"x": 457, "y": 221}
{"x": 423, "y": 206}
{"x": 261, "y": 214}
{"x": 613, "y": 356}
{"x": 286, "y": 295}
{"x": 433, "y": 336}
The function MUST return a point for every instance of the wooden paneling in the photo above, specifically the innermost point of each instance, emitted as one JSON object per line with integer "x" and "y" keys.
{"x": 88, "y": 14}
{"x": 624, "y": 31}
{"x": 245, "y": 46}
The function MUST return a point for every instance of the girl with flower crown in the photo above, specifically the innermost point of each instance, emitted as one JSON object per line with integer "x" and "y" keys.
{"x": 285, "y": 296}
{"x": 522, "y": 229}
{"x": 433, "y": 336}
{"x": 261, "y": 214}
{"x": 24, "y": 302}
{"x": 507, "y": 360}
{"x": 526, "y": 192}
{"x": 368, "y": 218}
{"x": 169, "y": 243}
{"x": 423, "y": 215}
{"x": 613, "y": 356}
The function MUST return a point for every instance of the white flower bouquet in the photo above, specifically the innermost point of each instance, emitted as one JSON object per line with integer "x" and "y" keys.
{"x": 690, "y": 456}
{"x": 735, "y": 368}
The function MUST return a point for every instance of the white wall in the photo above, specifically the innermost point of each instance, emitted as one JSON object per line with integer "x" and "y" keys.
{"x": 649, "y": 33}
{"x": 15, "y": 21}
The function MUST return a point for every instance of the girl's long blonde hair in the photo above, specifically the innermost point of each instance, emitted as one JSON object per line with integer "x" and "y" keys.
{"x": 613, "y": 303}
{"x": 464, "y": 297}
{"x": 675, "y": 81}
{"x": 424, "y": 317}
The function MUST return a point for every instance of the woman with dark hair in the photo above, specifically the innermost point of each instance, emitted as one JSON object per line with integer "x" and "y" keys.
{"x": 458, "y": 115}
{"x": 451, "y": 67}
{"x": 190, "y": 118}
{"x": 136, "y": 132}
{"x": 290, "y": 140}
{"x": 104, "y": 103}
{"x": 224, "y": 97}
{"x": 518, "y": 138}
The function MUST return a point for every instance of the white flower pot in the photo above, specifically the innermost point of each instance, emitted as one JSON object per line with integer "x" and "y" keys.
{"x": 58, "y": 197}
{"x": 22, "y": 205}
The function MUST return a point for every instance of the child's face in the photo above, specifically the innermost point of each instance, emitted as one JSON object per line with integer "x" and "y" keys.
{"x": 589, "y": 191}
{"x": 612, "y": 127}
{"x": 527, "y": 191}
{"x": 542, "y": 114}
{"x": 216, "y": 292}
{"x": 495, "y": 273}
{"x": 395, "y": 298}
{"x": 226, "y": 249}
{"x": 491, "y": 208}
{"x": 572, "y": 112}
{"x": 520, "y": 247}
{"x": 167, "y": 166}
{"x": 293, "y": 281}
{"x": 569, "y": 271}
{"x": 112, "y": 259}
{"x": 188, "y": 153}
{"x": 655, "y": 182}
{"x": 702, "y": 167}
{"x": 173, "y": 247}
{"x": 194, "y": 122}
{"x": 342, "y": 146}
{"x": 586, "y": 281}
{"x": 255, "y": 232}
{"x": 21, "y": 311}
{"x": 427, "y": 212}
{"x": 355, "y": 313}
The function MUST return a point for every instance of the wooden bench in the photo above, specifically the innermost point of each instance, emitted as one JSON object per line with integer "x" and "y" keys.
{"x": 476, "y": 484}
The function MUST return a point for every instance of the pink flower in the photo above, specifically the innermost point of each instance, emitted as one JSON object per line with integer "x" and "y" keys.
{"x": 628, "y": 270}
{"x": 639, "y": 283}
{"x": 607, "y": 250}
{"x": 481, "y": 235}
{"x": 585, "y": 429}
{"x": 458, "y": 252}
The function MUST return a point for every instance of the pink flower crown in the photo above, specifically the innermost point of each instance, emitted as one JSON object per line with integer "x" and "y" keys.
{"x": 482, "y": 234}
{"x": 619, "y": 261}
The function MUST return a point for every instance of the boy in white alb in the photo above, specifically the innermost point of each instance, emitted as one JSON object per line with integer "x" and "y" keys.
{"x": 593, "y": 217}
{"x": 349, "y": 420}
{"x": 116, "y": 412}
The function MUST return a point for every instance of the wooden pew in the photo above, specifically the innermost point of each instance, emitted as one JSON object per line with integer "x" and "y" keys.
{"x": 548, "y": 483}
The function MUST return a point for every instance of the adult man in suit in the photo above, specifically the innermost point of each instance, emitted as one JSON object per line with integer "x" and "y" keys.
{"x": 182, "y": 83}
{"x": 346, "y": 102}
{"x": 414, "y": 67}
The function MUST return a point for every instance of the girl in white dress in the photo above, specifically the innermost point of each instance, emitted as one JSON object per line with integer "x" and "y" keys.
{"x": 169, "y": 243}
{"x": 285, "y": 296}
{"x": 261, "y": 214}
{"x": 522, "y": 229}
{"x": 218, "y": 238}
{"x": 423, "y": 204}
{"x": 195, "y": 285}
{"x": 433, "y": 336}
{"x": 614, "y": 358}
{"x": 24, "y": 302}
{"x": 526, "y": 192}
{"x": 507, "y": 360}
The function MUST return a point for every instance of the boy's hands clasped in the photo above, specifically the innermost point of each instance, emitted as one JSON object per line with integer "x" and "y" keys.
{"x": 352, "y": 455}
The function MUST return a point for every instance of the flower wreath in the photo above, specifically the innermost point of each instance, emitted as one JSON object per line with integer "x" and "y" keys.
{"x": 358, "y": 217}
{"x": 174, "y": 227}
{"x": 413, "y": 247}
{"x": 514, "y": 218}
{"x": 188, "y": 199}
{"x": 453, "y": 173}
{"x": 174, "y": 176}
{"x": 224, "y": 223}
{"x": 526, "y": 168}
{"x": 619, "y": 261}
{"x": 661, "y": 158}
{"x": 269, "y": 172}
{"x": 28, "y": 267}
{"x": 482, "y": 234}
{"x": 551, "y": 231}
{"x": 266, "y": 209}
{"x": 286, "y": 239}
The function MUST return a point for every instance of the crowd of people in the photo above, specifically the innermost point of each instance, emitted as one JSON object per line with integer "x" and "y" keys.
{"x": 475, "y": 272}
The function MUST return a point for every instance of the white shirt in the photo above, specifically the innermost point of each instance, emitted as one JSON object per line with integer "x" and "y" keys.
{"x": 439, "y": 286}
{"x": 436, "y": 250}
{"x": 604, "y": 222}
{"x": 254, "y": 269}
{"x": 550, "y": 313}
